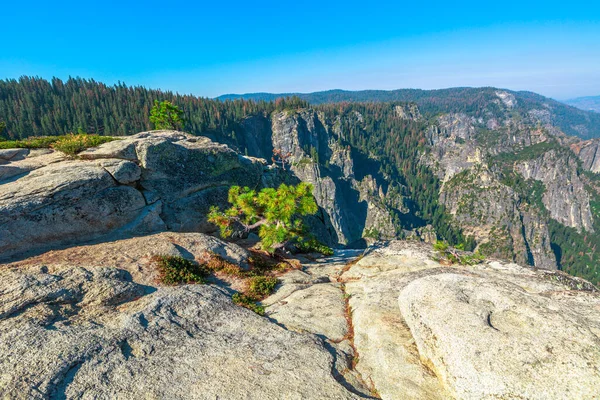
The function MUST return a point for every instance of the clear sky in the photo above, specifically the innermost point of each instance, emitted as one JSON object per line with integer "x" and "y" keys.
{"x": 212, "y": 48}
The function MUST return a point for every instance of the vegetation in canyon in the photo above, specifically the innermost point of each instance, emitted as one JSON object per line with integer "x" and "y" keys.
{"x": 386, "y": 139}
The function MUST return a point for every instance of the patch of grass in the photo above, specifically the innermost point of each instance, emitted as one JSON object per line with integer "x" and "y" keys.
{"x": 175, "y": 270}
{"x": 74, "y": 144}
{"x": 260, "y": 287}
{"x": 245, "y": 301}
{"x": 312, "y": 245}
{"x": 446, "y": 255}
{"x": 257, "y": 280}
{"x": 440, "y": 246}
{"x": 41, "y": 142}
{"x": 69, "y": 144}
{"x": 261, "y": 263}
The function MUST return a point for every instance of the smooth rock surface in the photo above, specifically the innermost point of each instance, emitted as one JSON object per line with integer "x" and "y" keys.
{"x": 135, "y": 255}
{"x": 488, "y": 338}
{"x": 421, "y": 330}
{"x": 318, "y": 309}
{"x": 85, "y": 333}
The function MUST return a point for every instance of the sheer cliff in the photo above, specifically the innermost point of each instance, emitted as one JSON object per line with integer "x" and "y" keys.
{"x": 510, "y": 181}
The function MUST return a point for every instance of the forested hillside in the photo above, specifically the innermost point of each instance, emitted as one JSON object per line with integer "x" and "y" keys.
{"x": 472, "y": 101}
{"x": 479, "y": 167}
{"x": 35, "y": 106}
{"x": 588, "y": 103}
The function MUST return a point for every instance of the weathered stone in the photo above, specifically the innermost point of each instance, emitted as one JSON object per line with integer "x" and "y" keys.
{"x": 47, "y": 200}
{"x": 488, "y": 338}
{"x": 124, "y": 172}
{"x": 13, "y": 169}
{"x": 135, "y": 254}
{"x": 123, "y": 149}
{"x": 421, "y": 329}
{"x": 318, "y": 309}
{"x": 61, "y": 203}
{"x": 83, "y": 333}
{"x": 589, "y": 153}
{"x": 13, "y": 154}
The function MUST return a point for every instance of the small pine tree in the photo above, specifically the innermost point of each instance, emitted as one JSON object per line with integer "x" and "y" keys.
{"x": 274, "y": 212}
{"x": 166, "y": 115}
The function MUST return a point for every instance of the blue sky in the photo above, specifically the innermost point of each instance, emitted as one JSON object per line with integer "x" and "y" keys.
{"x": 217, "y": 47}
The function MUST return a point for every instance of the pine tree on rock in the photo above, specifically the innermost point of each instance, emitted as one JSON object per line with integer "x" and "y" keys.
{"x": 274, "y": 212}
{"x": 166, "y": 115}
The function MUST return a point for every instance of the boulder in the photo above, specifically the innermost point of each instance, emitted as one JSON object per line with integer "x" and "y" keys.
{"x": 490, "y": 338}
{"x": 494, "y": 330}
{"x": 141, "y": 184}
{"x": 63, "y": 202}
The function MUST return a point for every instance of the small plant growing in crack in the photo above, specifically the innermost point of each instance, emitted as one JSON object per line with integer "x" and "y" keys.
{"x": 449, "y": 256}
{"x": 260, "y": 287}
{"x": 248, "y": 302}
{"x": 175, "y": 270}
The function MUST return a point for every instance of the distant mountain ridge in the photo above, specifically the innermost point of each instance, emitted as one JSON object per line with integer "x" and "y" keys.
{"x": 587, "y": 103}
{"x": 570, "y": 119}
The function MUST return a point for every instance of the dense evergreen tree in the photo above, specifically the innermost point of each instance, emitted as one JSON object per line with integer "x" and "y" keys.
{"x": 37, "y": 107}
{"x": 166, "y": 115}
{"x": 274, "y": 212}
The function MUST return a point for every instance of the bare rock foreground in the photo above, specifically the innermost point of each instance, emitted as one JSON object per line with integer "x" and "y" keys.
{"x": 89, "y": 322}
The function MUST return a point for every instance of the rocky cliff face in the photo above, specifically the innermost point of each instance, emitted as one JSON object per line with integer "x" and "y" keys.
{"x": 506, "y": 177}
{"x": 565, "y": 196}
{"x": 589, "y": 153}
{"x": 144, "y": 183}
{"x": 507, "y": 174}
{"x": 494, "y": 215}
{"x": 351, "y": 205}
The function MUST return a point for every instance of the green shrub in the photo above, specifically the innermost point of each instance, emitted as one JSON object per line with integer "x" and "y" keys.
{"x": 450, "y": 256}
{"x": 216, "y": 263}
{"x": 260, "y": 287}
{"x": 73, "y": 144}
{"x": 440, "y": 246}
{"x": 248, "y": 302}
{"x": 274, "y": 212}
{"x": 175, "y": 270}
{"x": 68, "y": 144}
{"x": 471, "y": 259}
{"x": 312, "y": 245}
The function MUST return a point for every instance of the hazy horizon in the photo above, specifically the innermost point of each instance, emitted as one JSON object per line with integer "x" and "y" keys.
{"x": 550, "y": 48}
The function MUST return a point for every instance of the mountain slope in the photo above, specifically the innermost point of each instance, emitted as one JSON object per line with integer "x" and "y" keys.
{"x": 570, "y": 120}
{"x": 588, "y": 103}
